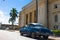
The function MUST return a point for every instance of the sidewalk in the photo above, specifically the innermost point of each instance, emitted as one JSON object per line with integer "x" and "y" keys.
{"x": 55, "y": 38}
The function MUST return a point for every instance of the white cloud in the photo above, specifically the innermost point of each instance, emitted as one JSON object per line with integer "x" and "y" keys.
{"x": 1, "y": 13}
{"x": 4, "y": 18}
{"x": 16, "y": 22}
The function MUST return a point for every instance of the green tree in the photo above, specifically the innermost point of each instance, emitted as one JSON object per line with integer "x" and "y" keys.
{"x": 13, "y": 16}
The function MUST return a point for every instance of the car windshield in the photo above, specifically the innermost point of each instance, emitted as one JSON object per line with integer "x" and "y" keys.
{"x": 38, "y": 26}
{"x": 31, "y": 25}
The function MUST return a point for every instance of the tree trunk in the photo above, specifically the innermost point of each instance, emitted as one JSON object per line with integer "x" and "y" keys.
{"x": 12, "y": 25}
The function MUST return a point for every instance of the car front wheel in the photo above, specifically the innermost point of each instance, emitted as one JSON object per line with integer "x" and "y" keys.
{"x": 33, "y": 35}
{"x": 21, "y": 34}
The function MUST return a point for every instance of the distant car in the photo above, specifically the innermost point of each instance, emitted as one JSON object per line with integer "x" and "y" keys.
{"x": 35, "y": 30}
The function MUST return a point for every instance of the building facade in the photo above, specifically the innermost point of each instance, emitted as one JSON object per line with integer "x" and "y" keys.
{"x": 28, "y": 13}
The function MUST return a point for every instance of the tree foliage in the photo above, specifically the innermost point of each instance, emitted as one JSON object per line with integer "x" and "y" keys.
{"x": 13, "y": 15}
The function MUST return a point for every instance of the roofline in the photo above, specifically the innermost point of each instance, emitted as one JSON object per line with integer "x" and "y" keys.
{"x": 27, "y": 5}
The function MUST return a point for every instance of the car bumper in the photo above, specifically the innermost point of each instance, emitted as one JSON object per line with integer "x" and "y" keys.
{"x": 42, "y": 34}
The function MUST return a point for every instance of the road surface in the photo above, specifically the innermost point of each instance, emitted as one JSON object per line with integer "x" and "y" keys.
{"x": 8, "y": 35}
{"x": 15, "y": 35}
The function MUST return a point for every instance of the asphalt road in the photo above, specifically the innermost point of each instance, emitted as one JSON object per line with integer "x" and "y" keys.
{"x": 15, "y": 35}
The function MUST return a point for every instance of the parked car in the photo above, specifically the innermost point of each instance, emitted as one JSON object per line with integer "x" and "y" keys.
{"x": 35, "y": 30}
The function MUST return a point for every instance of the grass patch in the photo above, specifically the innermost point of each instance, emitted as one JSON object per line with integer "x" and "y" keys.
{"x": 56, "y": 32}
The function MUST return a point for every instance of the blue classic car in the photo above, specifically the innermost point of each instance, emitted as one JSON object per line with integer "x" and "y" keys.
{"x": 35, "y": 30}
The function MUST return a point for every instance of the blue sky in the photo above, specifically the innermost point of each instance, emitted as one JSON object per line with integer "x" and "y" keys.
{"x": 7, "y": 5}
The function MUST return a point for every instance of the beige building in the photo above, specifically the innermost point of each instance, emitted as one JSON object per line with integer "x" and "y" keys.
{"x": 28, "y": 13}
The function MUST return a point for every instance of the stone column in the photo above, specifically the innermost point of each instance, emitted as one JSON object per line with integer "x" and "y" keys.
{"x": 32, "y": 17}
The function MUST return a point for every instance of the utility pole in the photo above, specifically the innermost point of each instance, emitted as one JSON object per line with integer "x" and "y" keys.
{"x": 47, "y": 14}
{"x": 37, "y": 10}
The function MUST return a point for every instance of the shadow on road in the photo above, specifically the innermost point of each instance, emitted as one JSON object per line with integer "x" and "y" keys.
{"x": 39, "y": 38}
{"x": 43, "y": 39}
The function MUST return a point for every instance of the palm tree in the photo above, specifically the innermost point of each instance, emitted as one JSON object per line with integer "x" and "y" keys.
{"x": 13, "y": 16}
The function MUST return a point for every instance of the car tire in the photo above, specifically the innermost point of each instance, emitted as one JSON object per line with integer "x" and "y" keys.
{"x": 45, "y": 37}
{"x": 28, "y": 35}
{"x": 33, "y": 35}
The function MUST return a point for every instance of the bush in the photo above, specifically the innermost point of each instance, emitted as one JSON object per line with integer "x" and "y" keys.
{"x": 56, "y": 32}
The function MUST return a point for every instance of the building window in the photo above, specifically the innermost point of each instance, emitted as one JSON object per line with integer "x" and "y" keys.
{"x": 56, "y": 18}
{"x": 56, "y": 27}
{"x": 35, "y": 18}
{"x": 55, "y": 6}
{"x": 30, "y": 17}
{"x": 26, "y": 18}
